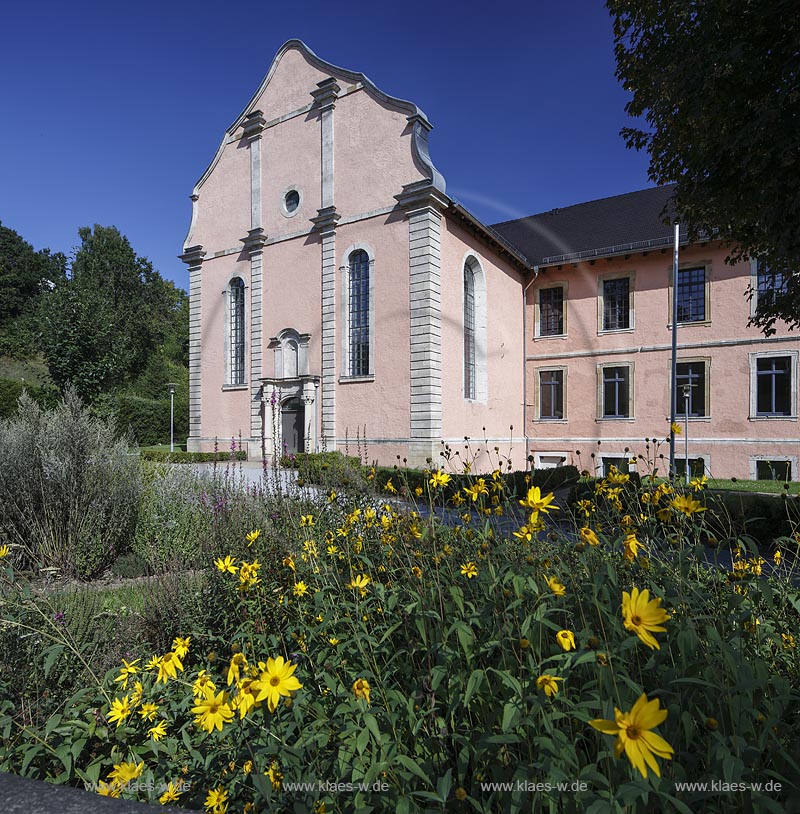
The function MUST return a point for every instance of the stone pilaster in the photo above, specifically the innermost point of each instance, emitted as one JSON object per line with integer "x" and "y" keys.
{"x": 325, "y": 100}
{"x": 193, "y": 257}
{"x": 423, "y": 205}
{"x": 326, "y": 225}
{"x": 254, "y": 243}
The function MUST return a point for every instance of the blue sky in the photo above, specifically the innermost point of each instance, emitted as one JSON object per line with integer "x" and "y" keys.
{"x": 113, "y": 110}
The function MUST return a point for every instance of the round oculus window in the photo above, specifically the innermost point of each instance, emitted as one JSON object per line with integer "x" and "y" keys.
{"x": 291, "y": 201}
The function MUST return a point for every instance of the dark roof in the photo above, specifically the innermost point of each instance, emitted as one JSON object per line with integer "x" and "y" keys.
{"x": 635, "y": 221}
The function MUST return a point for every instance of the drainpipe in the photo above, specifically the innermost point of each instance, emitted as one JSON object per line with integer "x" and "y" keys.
{"x": 525, "y": 362}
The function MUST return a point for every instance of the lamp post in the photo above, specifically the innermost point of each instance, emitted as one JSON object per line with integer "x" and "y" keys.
{"x": 687, "y": 391}
{"x": 172, "y": 387}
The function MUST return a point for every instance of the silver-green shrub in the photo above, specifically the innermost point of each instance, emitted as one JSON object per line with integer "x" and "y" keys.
{"x": 69, "y": 487}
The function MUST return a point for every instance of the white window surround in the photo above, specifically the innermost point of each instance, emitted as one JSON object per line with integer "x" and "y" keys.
{"x": 537, "y": 396}
{"x": 754, "y": 459}
{"x": 620, "y": 275}
{"x": 793, "y": 393}
{"x": 344, "y": 313}
{"x": 550, "y": 460}
{"x": 290, "y": 350}
{"x": 602, "y": 458}
{"x": 537, "y": 311}
{"x": 226, "y": 356}
{"x": 282, "y": 206}
{"x": 600, "y": 391}
{"x": 471, "y": 262}
{"x": 704, "y": 264}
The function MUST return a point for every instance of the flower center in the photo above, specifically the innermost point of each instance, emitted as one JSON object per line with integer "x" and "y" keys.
{"x": 274, "y": 681}
{"x": 632, "y": 732}
{"x": 636, "y": 619}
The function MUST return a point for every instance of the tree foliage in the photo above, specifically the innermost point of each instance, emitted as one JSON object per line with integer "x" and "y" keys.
{"x": 110, "y": 318}
{"x": 717, "y": 84}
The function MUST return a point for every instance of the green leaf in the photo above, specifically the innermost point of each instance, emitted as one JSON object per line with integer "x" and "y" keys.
{"x": 372, "y": 725}
{"x": 412, "y": 767}
{"x": 474, "y": 682}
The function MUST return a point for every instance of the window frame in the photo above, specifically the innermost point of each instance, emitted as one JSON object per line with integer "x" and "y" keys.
{"x": 792, "y": 460}
{"x": 601, "y": 381}
{"x": 345, "y": 311}
{"x": 706, "y": 362}
{"x": 601, "y": 302}
{"x": 537, "y": 310}
{"x": 230, "y": 380}
{"x": 792, "y": 355}
{"x": 706, "y": 265}
{"x": 538, "y": 395}
{"x": 471, "y": 264}
{"x": 756, "y": 267}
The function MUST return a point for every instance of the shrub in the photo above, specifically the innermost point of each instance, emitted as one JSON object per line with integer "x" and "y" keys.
{"x": 69, "y": 487}
{"x": 179, "y": 457}
{"x": 327, "y": 469}
{"x": 148, "y": 419}
{"x": 12, "y": 389}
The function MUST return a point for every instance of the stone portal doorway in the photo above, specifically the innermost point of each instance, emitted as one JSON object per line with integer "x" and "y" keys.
{"x": 293, "y": 415}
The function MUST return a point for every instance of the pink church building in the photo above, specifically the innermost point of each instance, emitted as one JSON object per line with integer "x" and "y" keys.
{"x": 337, "y": 291}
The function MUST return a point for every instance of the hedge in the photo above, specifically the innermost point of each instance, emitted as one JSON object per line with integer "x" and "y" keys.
{"x": 12, "y": 389}
{"x": 148, "y": 419}
{"x": 178, "y": 457}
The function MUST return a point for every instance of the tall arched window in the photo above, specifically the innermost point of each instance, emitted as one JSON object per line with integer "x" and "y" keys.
{"x": 358, "y": 313}
{"x": 236, "y": 327}
{"x": 469, "y": 332}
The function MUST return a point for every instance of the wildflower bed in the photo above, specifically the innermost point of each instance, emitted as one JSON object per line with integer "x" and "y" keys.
{"x": 355, "y": 654}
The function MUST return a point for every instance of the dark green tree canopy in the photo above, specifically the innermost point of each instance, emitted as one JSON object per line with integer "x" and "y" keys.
{"x": 110, "y": 317}
{"x": 717, "y": 84}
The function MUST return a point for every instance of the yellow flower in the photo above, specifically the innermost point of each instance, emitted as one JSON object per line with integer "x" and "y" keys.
{"x": 458, "y": 499}
{"x": 698, "y": 484}
{"x": 248, "y": 575}
{"x": 112, "y": 789}
{"x": 331, "y": 496}
{"x": 148, "y": 711}
{"x": 136, "y": 695}
{"x": 631, "y": 546}
{"x": 416, "y": 571}
{"x": 643, "y": 616}
{"x": 300, "y": 588}
{"x": 171, "y": 795}
{"x": 333, "y": 641}
{"x": 418, "y": 491}
{"x": 212, "y": 711}
{"x": 634, "y": 735}
{"x": 276, "y": 680}
{"x": 469, "y": 570}
{"x": 566, "y": 639}
{"x": 549, "y": 684}
{"x": 158, "y": 731}
{"x": 438, "y": 479}
{"x": 359, "y": 583}
{"x": 555, "y": 586}
{"x": 289, "y": 562}
{"x": 687, "y": 505}
{"x": 201, "y": 683}
{"x": 390, "y": 487}
{"x": 589, "y": 537}
{"x": 275, "y": 775}
{"x": 675, "y": 428}
{"x": 361, "y": 689}
{"x": 247, "y": 767}
{"x": 217, "y": 801}
{"x": 246, "y": 697}
{"x": 4, "y": 551}
{"x": 181, "y": 646}
{"x": 238, "y": 662}
{"x": 168, "y": 667}
{"x": 226, "y": 565}
{"x": 120, "y": 710}
{"x": 306, "y": 520}
{"x": 124, "y": 773}
{"x": 153, "y": 663}
{"x": 776, "y": 557}
{"x": 536, "y": 503}
{"x": 477, "y": 489}
{"x": 126, "y": 671}
{"x": 788, "y": 641}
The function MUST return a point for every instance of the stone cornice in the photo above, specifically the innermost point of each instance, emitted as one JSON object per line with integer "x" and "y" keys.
{"x": 192, "y": 255}
{"x": 326, "y": 219}
{"x": 422, "y": 194}
{"x": 327, "y": 93}
{"x": 253, "y": 124}
{"x": 255, "y": 240}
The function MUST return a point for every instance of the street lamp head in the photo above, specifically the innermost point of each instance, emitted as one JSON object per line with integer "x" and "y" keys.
{"x": 171, "y": 386}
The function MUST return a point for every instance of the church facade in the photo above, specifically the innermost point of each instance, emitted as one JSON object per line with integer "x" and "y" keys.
{"x": 340, "y": 299}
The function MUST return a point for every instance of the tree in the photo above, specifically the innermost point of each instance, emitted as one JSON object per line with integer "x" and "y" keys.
{"x": 24, "y": 275}
{"x": 718, "y": 85}
{"x": 109, "y": 318}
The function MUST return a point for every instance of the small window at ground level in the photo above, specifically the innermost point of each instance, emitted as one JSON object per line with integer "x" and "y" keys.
{"x": 697, "y": 467}
{"x": 773, "y": 470}
{"x": 621, "y": 464}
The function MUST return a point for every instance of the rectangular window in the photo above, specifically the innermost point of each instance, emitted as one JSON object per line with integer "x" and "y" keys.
{"x": 359, "y": 313}
{"x": 469, "y": 333}
{"x": 551, "y": 311}
{"x": 616, "y": 392}
{"x": 697, "y": 467}
{"x": 236, "y": 328}
{"x": 692, "y": 295}
{"x": 773, "y": 470}
{"x": 551, "y": 394}
{"x": 692, "y": 374}
{"x": 770, "y": 284}
{"x": 774, "y": 386}
{"x": 620, "y": 464}
{"x": 616, "y": 304}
